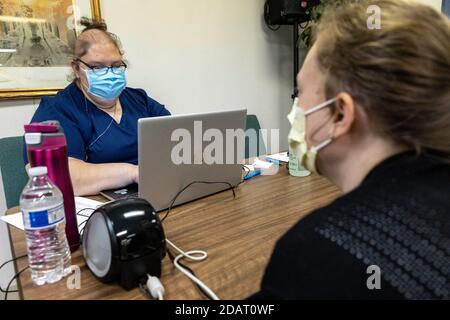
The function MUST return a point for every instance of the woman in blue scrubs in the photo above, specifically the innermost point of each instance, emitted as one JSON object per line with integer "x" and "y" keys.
{"x": 99, "y": 114}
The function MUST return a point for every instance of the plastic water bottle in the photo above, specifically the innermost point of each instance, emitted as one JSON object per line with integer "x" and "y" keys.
{"x": 42, "y": 208}
{"x": 295, "y": 168}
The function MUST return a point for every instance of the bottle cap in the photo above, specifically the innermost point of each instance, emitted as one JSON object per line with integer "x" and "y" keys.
{"x": 43, "y": 127}
{"x": 37, "y": 171}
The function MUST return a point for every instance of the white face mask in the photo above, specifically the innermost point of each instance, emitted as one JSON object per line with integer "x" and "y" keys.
{"x": 297, "y": 136}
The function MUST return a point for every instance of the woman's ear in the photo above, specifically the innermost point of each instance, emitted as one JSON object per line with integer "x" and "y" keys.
{"x": 345, "y": 114}
{"x": 76, "y": 69}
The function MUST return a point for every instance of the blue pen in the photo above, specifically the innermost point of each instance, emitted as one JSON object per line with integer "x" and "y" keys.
{"x": 252, "y": 174}
{"x": 275, "y": 161}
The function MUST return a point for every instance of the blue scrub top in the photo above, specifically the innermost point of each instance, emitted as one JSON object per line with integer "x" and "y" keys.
{"x": 84, "y": 123}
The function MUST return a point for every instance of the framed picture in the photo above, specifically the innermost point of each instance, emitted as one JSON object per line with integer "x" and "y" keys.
{"x": 36, "y": 44}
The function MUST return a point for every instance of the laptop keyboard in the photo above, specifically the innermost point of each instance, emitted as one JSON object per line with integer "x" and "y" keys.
{"x": 133, "y": 195}
{"x": 124, "y": 193}
{"x": 127, "y": 195}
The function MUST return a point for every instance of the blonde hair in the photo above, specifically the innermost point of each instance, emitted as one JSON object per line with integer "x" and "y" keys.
{"x": 399, "y": 74}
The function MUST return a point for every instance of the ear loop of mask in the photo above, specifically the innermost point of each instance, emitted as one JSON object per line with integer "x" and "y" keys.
{"x": 99, "y": 137}
{"x": 320, "y": 106}
{"x": 313, "y": 110}
{"x": 87, "y": 79}
{"x": 322, "y": 145}
{"x": 80, "y": 82}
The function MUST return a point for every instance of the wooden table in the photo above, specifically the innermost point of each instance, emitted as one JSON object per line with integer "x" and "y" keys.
{"x": 238, "y": 234}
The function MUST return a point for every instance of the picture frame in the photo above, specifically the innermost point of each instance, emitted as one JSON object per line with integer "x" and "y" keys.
{"x": 36, "y": 44}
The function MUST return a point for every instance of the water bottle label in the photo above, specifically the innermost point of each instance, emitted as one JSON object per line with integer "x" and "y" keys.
{"x": 35, "y": 220}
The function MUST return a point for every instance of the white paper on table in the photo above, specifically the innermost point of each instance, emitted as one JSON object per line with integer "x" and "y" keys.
{"x": 283, "y": 157}
{"x": 16, "y": 219}
{"x": 250, "y": 167}
{"x": 265, "y": 168}
{"x": 259, "y": 164}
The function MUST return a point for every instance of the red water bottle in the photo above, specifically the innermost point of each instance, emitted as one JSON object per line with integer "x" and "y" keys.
{"x": 47, "y": 147}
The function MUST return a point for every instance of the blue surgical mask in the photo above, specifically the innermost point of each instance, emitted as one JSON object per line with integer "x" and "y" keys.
{"x": 108, "y": 86}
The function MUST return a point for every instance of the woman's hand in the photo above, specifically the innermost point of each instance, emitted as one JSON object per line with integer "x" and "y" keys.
{"x": 90, "y": 179}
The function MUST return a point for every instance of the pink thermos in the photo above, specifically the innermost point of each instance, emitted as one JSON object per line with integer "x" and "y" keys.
{"x": 47, "y": 147}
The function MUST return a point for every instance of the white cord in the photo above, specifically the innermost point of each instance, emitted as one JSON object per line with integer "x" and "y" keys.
{"x": 194, "y": 255}
{"x": 104, "y": 132}
{"x": 107, "y": 128}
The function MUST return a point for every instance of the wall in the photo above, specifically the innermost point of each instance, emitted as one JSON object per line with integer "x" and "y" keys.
{"x": 14, "y": 114}
{"x": 437, "y": 4}
{"x": 204, "y": 55}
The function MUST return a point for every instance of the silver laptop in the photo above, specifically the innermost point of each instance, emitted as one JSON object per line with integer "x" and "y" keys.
{"x": 176, "y": 151}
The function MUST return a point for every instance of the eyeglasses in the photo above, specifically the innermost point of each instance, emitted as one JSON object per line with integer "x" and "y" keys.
{"x": 102, "y": 70}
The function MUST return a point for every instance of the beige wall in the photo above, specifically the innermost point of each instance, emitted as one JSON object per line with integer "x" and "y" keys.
{"x": 203, "y": 55}
{"x": 14, "y": 114}
{"x": 434, "y": 3}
